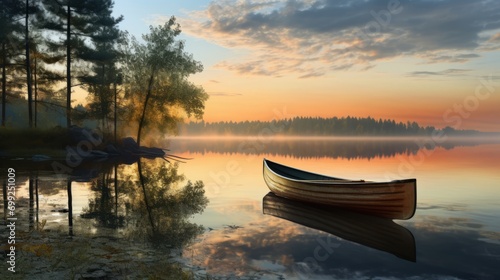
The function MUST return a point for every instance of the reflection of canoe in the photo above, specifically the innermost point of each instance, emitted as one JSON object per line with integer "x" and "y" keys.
{"x": 375, "y": 232}
{"x": 394, "y": 199}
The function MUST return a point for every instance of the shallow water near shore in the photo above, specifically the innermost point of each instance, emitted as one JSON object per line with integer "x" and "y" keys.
{"x": 229, "y": 232}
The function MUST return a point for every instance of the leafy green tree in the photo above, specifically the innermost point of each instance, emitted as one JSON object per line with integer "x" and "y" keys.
{"x": 155, "y": 79}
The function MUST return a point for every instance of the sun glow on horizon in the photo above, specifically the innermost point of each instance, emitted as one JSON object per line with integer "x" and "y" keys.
{"x": 257, "y": 69}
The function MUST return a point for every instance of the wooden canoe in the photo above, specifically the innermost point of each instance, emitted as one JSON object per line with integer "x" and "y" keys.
{"x": 394, "y": 199}
{"x": 374, "y": 232}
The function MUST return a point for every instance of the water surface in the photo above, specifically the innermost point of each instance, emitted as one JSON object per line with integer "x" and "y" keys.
{"x": 455, "y": 229}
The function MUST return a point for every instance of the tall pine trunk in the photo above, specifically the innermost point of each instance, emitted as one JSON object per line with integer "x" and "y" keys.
{"x": 102, "y": 98}
{"x": 36, "y": 89}
{"x": 28, "y": 68}
{"x": 4, "y": 82}
{"x": 114, "y": 112}
{"x": 68, "y": 68}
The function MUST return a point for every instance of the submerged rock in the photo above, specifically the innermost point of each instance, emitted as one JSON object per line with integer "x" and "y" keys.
{"x": 40, "y": 158}
{"x": 60, "y": 210}
{"x": 97, "y": 274}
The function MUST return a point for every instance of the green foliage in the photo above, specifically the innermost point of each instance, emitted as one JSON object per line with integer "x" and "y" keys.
{"x": 101, "y": 80}
{"x": 155, "y": 79}
{"x": 10, "y": 26}
{"x": 76, "y": 22}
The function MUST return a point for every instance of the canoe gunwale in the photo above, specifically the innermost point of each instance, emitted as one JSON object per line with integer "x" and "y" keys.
{"x": 335, "y": 180}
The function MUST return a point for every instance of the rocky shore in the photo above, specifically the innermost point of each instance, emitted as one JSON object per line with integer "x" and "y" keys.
{"x": 52, "y": 254}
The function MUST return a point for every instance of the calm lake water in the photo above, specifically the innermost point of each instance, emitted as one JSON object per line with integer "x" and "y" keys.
{"x": 235, "y": 228}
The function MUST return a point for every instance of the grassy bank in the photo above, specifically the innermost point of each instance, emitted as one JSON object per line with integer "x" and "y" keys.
{"x": 52, "y": 141}
{"x": 29, "y": 139}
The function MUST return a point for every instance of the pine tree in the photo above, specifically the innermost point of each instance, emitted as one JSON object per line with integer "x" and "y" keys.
{"x": 80, "y": 21}
{"x": 11, "y": 15}
{"x": 29, "y": 10}
{"x": 44, "y": 76}
{"x": 103, "y": 76}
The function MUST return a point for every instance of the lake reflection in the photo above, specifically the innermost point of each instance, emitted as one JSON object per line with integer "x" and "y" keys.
{"x": 455, "y": 227}
{"x": 149, "y": 201}
{"x": 319, "y": 147}
{"x": 222, "y": 227}
{"x": 375, "y": 232}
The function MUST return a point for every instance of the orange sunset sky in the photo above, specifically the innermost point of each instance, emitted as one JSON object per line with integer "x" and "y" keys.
{"x": 434, "y": 62}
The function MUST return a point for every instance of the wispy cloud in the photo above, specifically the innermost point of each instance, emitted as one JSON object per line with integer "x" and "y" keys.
{"x": 224, "y": 94}
{"x": 447, "y": 72}
{"x": 495, "y": 38}
{"x": 449, "y": 56}
{"x": 311, "y": 37}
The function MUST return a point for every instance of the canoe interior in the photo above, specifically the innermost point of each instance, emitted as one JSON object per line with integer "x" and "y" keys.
{"x": 297, "y": 174}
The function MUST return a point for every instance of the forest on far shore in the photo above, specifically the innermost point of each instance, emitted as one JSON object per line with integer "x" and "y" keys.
{"x": 316, "y": 126}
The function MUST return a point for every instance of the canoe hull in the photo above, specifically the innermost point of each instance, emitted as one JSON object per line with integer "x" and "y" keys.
{"x": 394, "y": 199}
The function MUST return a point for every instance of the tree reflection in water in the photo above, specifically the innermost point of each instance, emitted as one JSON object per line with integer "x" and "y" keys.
{"x": 152, "y": 205}
{"x": 104, "y": 206}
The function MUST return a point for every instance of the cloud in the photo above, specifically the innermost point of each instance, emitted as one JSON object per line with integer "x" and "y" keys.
{"x": 312, "y": 74}
{"x": 453, "y": 57}
{"x": 312, "y": 37}
{"x": 495, "y": 38}
{"x": 447, "y": 72}
{"x": 224, "y": 94}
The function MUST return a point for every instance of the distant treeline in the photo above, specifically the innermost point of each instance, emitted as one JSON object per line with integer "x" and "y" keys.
{"x": 315, "y": 126}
